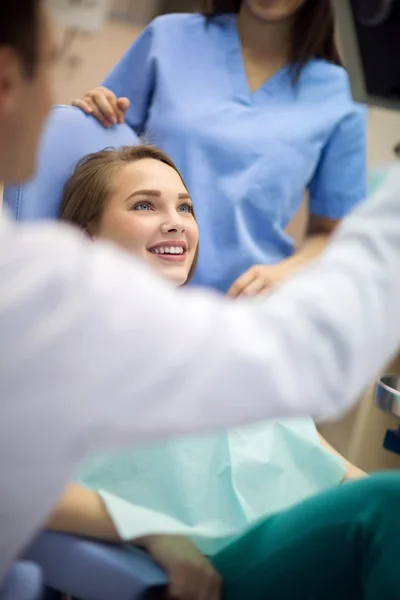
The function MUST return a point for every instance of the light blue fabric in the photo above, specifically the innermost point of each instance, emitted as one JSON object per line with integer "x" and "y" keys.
{"x": 68, "y": 136}
{"x": 213, "y": 487}
{"x": 247, "y": 158}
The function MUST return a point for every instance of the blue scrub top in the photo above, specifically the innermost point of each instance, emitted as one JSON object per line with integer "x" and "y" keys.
{"x": 247, "y": 158}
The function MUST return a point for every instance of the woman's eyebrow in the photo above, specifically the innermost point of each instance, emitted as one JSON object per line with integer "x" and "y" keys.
{"x": 182, "y": 196}
{"x": 144, "y": 193}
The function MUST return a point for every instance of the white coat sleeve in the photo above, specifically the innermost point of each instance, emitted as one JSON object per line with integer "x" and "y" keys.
{"x": 137, "y": 358}
{"x": 95, "y": 349}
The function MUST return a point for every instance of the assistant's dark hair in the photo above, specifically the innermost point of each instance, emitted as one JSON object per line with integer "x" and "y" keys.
{"x": 19, "y": 30}
{"x": 313, "y": 31}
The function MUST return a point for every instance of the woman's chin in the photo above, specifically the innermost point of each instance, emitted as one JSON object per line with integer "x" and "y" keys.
{"x": 176, "y": 272}
{"x": 176, "y": 275}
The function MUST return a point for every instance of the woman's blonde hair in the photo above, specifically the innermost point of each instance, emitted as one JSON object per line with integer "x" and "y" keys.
{"x": 87, "y": 190}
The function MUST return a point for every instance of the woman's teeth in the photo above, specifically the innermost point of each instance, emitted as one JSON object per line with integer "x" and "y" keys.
{"x": 170, "y": 250}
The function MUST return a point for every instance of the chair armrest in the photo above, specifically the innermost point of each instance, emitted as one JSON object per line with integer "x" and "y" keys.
{"x": 91, "y": 570}
{"x": 23, "y": 581}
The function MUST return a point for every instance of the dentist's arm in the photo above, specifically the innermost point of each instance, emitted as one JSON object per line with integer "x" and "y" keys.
{"x": 135, "y": 358}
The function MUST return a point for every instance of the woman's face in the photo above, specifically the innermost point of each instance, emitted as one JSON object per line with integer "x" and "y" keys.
{"x": 150, "y": 213}
{"x": 274, "y": 10}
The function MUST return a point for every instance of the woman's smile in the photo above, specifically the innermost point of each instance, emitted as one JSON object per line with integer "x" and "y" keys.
{"x": 170, "y": 250}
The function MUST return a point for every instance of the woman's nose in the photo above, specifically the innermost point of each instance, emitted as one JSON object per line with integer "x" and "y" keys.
{"x": 172, "y": 228}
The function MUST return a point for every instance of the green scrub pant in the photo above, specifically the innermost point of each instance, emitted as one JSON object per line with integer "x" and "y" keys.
{"x": 343, "y": 544}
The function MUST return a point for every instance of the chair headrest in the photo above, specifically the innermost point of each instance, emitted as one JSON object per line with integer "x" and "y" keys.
{"x": 68, "y": 136}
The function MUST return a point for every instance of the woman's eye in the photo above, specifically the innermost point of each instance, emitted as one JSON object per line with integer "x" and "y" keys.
{"x": 142, "y": 206}
{"x": 186, "y": 208}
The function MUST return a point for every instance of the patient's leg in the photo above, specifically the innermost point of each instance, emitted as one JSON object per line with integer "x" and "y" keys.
{"x": 342, "y": 544}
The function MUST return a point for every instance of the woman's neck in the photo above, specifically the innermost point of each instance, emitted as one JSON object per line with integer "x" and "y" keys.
{"x": 263, "y": 40}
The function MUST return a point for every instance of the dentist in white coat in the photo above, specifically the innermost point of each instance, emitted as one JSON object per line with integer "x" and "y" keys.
{"x": 81, "y": 361}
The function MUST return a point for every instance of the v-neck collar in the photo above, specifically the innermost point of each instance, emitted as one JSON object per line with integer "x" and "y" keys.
{"x": 237, "y": 70}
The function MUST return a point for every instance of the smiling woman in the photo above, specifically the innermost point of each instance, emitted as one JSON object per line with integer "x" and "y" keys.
{"x": 186, "y": 499}
{"x": 112, "y": 196}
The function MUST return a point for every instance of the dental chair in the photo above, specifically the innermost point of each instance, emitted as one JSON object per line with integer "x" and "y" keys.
{"x": 23, "y": 581}
{"x": 83, "y": 569}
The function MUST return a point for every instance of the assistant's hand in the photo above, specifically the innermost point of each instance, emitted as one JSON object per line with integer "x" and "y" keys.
{"x": 104, "y": 105}
{"x": 259, "y": 280}
{"x": 191, "y": 576}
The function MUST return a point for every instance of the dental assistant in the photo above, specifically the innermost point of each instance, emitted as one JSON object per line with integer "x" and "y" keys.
{"x": 252, "y": 104}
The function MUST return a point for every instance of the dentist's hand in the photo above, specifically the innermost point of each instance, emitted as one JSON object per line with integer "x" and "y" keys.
{"x": 191, "y": 576}
{"x": 104, "y": 105}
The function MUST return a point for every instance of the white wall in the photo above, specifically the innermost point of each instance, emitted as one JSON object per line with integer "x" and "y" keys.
{"x": 90, "y": 58}
{"x": 139, "y": 11}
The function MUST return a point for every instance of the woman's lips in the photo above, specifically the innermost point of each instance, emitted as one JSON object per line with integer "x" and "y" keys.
{"x": 170, "y": 250}
{"x": 171, "y": 257}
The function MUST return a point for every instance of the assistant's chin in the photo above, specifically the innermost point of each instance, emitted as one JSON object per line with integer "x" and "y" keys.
{"x": 267, "y": 11}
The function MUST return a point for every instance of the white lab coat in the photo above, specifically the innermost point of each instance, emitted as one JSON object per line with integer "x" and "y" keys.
{"x": 96, "y": 350}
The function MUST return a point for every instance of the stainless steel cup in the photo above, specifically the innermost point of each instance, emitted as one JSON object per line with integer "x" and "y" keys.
{"x": 387, "y": 394}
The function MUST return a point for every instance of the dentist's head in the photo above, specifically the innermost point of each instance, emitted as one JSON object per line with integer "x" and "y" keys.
{"x": 27, "y": 52}
{"x": 136, "y": 198}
